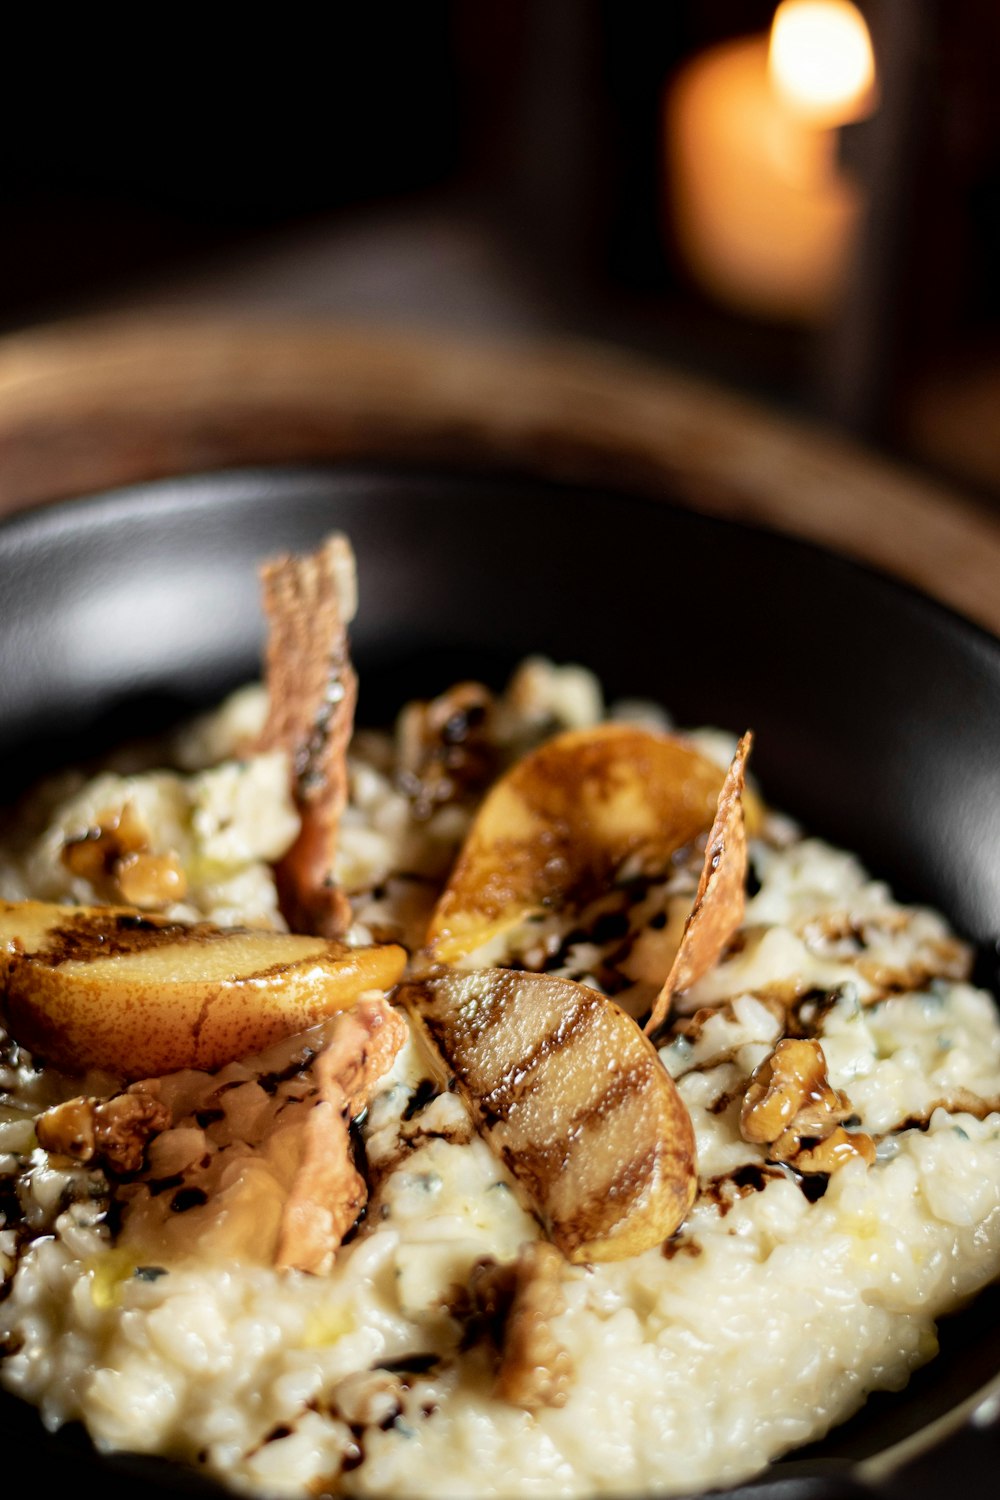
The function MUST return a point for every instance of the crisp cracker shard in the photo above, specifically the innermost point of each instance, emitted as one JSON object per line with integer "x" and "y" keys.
{"x": 720, "y": 900}
{"x": 114, "y": 988}
{"x": 312, "y": 690}
{"x": 559, "y": 826}
{"x": 328, "y": 1192}
{"x": 253, "y": 1162}
{"x": 574, "y": 1100}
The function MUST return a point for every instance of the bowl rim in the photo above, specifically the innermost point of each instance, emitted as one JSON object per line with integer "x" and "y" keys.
{"x": 231, "y": 483}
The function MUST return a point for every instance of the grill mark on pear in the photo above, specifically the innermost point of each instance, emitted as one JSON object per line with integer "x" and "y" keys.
{"x": 104, "y": 935}
{"x": 498, "y": 1101}
{"x": 499, "y": 1105}
{"x": 597, "y": 1214}
{"x": 110, "y": 934}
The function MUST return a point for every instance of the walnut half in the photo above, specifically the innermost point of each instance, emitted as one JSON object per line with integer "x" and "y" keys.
{"x": 790, "y": 1101}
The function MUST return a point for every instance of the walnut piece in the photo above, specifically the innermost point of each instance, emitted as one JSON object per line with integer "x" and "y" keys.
{"x": 115, "y": 857}
{"x": 789, "y": 1084}
{"x": 110, "y": 1133}
{"x": 790, "y": 1100}
{"x": 151, "y": 881}
{"x": 941, "y": 958}
{"x": 445, "y": 748}
{"x": 840, "y": 1147}
{"x": 519, "y": 1301}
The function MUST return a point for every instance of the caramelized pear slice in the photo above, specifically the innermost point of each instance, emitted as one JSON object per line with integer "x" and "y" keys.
{"x": 561, "y": 823}
{"x": 572, "y": 1098}
{"x": 108, "y": 987}
{"x": 720, "y": 900}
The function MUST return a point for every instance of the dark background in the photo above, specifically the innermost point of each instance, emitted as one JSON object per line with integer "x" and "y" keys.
{"x": 497, "y": 165}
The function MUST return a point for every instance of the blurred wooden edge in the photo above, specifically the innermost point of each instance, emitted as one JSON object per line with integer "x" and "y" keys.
{"x": 89, "y": 406}
{"x": 952, "y": 418}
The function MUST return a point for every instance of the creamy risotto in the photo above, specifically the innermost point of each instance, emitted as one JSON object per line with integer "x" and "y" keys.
{"x": 325, "y": 1268}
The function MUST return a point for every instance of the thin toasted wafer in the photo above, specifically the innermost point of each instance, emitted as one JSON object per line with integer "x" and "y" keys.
{"x": 312, "y": 691}
{"x": 721, "y": 897}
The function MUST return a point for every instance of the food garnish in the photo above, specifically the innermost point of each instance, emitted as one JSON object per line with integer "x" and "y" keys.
{"x": 138, "y": 995}
{"x": 573, "y": 1098}
{"x": 115, "y": 857}
{"x": 446, "y": 748}
{"x": 563, "y": 821}
{"x": 518, "y": 1302}
{"x": 253, "y": 1162}
{"x": 110, "y": 1133}
{"x": 721, "y": 896}
{"x": 328, "y": 1192}
{"x": 791, "y": 1108}
{"x": 309, "y": 602}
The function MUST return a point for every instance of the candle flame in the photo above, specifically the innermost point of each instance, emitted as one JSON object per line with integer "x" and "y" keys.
{"x": 821, "y": 61}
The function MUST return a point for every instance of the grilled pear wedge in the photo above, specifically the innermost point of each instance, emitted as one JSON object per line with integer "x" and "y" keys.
{"x": 114, "y": 988}
{"x": 574, "y": 1100}
{"x": 560, "y": 824}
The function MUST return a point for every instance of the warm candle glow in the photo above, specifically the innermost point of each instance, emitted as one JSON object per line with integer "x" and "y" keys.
{"x": 764, "y": 211}
{"x": 821, "y": 61}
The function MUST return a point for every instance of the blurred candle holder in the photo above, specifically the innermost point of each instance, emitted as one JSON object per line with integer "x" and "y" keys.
{"x": 763, "y": 213}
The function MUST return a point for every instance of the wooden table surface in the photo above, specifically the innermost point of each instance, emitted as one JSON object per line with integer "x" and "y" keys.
{"x": 91, "y": 405}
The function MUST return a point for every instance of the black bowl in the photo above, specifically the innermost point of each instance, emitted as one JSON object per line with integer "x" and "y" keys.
{"x": 877, "y": 716}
